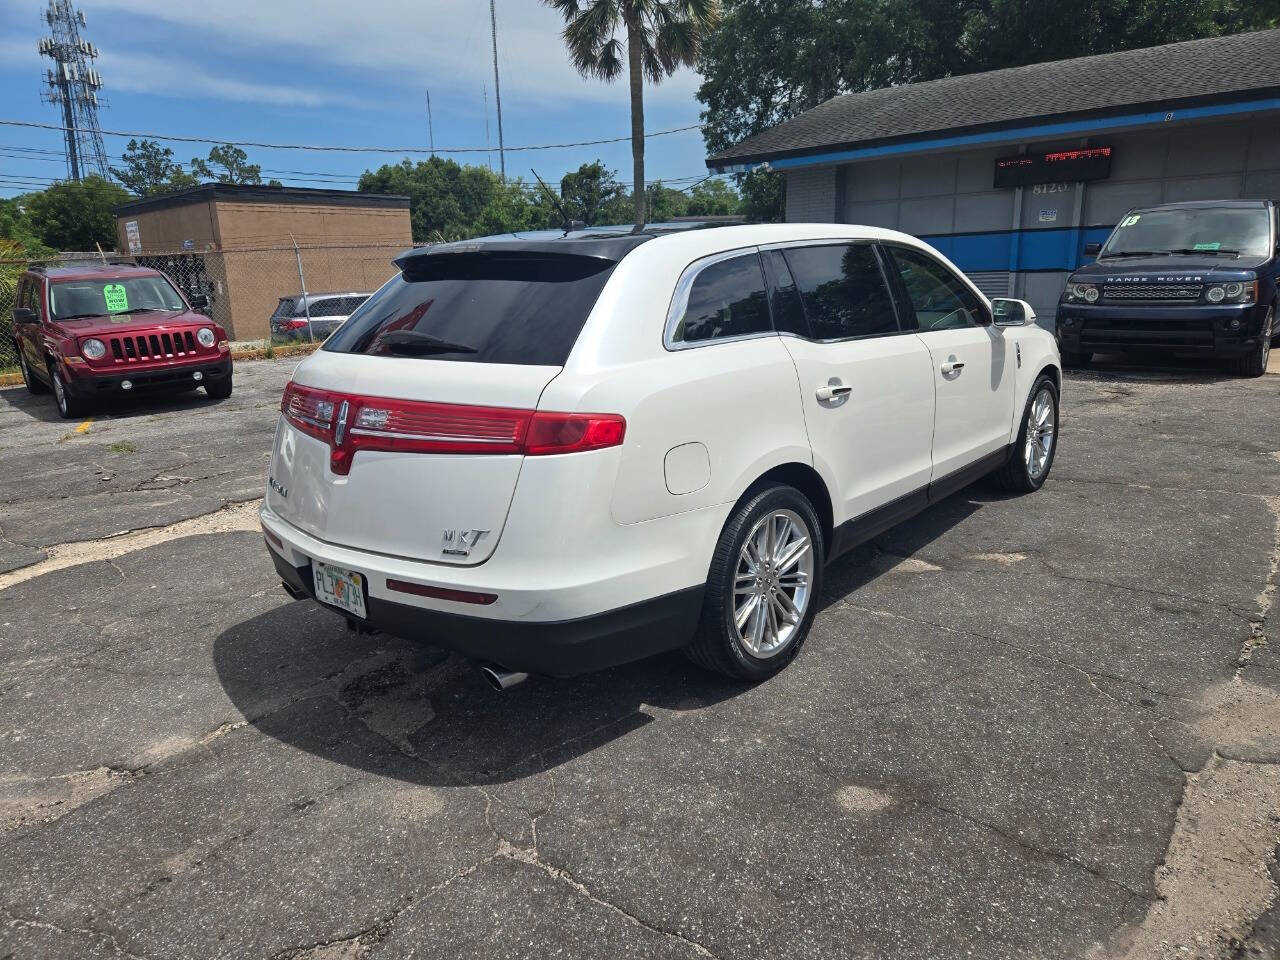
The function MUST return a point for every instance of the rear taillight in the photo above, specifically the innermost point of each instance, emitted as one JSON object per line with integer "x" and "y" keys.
{"x": 348, "y": 423}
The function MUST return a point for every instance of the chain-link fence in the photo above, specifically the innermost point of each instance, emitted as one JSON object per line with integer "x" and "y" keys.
{"x": 274, "y": 294}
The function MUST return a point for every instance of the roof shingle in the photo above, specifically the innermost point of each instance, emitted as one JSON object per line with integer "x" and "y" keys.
{"x": 1216, "y": 68}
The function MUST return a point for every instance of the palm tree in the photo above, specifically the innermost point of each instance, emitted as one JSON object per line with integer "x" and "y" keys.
{"x": 661, "y": 35}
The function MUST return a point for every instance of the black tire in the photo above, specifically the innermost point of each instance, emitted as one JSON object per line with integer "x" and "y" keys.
{"x": 1254, "y": 363}
{"x": 33, "y": 383}
{"x": 69, "y": 407}
{"x": 717, "y": 645}
{"x": 1071, "y": 358}
{"x": 219, "y": 390}
{"x": 1017, "y": 475}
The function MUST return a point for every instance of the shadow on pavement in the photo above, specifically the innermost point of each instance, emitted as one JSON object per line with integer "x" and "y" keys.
{"x": 42, "y": 407}
{"x": 437, "y": 707}
{"x": 1156, "y": 368}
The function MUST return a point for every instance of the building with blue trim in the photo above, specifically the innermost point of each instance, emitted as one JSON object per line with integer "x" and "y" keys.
{"x": 1073, "y": 143}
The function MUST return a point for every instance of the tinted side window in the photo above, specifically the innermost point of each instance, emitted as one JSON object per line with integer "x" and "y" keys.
{"x": 941, "y": 299}
{"x": 843, "y": 291}
{"x": 727, "y": 299}
{"x": 788, "y": 314}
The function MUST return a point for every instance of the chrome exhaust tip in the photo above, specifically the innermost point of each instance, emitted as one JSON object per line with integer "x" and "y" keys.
{"x": 500, "y": 678}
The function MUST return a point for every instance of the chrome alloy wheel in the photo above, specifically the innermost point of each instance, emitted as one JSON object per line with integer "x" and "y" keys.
{"x": 1042, "y": 426}
{"x": 771, "y": 585}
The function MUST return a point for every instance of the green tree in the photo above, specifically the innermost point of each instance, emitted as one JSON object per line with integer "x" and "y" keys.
{"x": 76, "y": 215}
{"x": 660, "y": 36}
{"x": 593, "y": 195}
{"x": 514, "y": 207}
{"x": 16, "y": 228}
{"x": 764, "y": 196}
{"x": 234, "y": 164}
{"x": 713, "y": 198}
{"x": 664, "y": 203}
{"x": 773, "y": 59}
{"x": 149, "y": 169}
{"x": 446, "y": 198}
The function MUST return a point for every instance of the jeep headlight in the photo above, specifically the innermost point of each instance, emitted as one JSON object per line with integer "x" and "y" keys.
{"x": 1087, "y": 292}
{"x": 93, "y": 349}
{"x": 1234, "y": 291}
{"x": 205, "y": 336}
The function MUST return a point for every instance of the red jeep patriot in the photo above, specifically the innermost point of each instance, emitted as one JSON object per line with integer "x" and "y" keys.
{"x": 92, "y": 331}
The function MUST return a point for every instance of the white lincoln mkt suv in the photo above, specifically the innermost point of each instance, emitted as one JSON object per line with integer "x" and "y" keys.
{"x": 560, "y": 453}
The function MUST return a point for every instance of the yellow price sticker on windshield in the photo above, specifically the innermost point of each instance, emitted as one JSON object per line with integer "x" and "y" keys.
{"x": 1130, "y": 220}
{"x": 116, "y": 298}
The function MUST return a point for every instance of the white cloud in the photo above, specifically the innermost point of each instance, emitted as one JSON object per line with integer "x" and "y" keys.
{"x": 143, "y": 73}
{"x": 444, "y": 44}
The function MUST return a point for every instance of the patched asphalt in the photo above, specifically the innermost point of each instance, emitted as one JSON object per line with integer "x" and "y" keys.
{"x": 981, "y": 752}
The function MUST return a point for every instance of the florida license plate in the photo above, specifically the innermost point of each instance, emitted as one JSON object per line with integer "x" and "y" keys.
{"x": 340, "y": 588}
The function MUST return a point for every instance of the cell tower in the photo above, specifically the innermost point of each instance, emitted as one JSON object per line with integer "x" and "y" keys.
{"x": 74, "y": 84}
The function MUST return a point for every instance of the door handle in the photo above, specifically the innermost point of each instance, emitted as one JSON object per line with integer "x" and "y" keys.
{"x": 952, "y": 366}
{"x": 833, "y": 389}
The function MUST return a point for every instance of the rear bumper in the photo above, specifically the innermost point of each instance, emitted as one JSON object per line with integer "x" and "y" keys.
{"x": 553, "y": 616}
{"x": 558, "y": 648}
{"x": 86, "y": 382}
{"x": 1217, "y": 331}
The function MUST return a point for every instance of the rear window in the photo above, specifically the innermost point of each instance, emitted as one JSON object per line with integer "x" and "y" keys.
{"x": 479, "y": 307}
{"x": 285, "y": 309}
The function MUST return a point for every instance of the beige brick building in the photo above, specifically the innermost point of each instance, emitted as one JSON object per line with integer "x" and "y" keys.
{"x": 235, "y": 242}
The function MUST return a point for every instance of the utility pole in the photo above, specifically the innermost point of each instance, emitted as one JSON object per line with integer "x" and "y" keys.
{"x": 497, "y": 91}
{"x": 430, "y": 129}
{"x": 488, "y": 154}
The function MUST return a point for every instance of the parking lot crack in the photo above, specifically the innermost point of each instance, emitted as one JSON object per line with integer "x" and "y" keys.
{"x": 530, "y": 856}
{"x": 106, "y": 939}
{"x": 1056, "y": 855}
{"x": 1266, "y": 598}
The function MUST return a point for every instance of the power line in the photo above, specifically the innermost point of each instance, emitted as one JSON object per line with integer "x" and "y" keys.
{"x": 335, "y": 149}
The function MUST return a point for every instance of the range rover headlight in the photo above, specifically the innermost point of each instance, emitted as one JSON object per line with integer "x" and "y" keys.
{"x": 1234, "y": 291}
{"x": 205, "y": 336}
{"x": 93, "y": 349}
{"x": 1087, "y": 292}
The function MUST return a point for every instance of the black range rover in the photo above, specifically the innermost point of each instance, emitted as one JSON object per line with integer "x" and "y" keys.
{"x": 1188, "y": 278}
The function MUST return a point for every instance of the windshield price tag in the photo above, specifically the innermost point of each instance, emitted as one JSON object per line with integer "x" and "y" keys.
{"x": 116, "y": 298}
{"x": 1208, "y": 246}
{"x": 1129, "y": 221}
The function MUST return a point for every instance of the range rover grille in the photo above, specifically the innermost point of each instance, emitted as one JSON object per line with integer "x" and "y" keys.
{"x": 1162, "y": 292}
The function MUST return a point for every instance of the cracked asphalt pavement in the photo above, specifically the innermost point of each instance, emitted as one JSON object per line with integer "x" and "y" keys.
{"x": 1028, "y": 727}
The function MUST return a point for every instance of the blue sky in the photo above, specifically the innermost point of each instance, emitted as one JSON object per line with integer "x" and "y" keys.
{"x": 323, "y": 72}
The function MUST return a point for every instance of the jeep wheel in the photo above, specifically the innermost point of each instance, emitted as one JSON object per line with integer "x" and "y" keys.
{"x": 219, "y": 390}
{"x": 33, "y": 383}
{"x": 1254, "y": 363}
{"x": 763, "y": 586}
{"x": 68, "y": 406}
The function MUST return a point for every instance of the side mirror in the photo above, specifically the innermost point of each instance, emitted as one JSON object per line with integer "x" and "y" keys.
{"x": 199, "y": 300}
{"x": 1008, "y": 312}
{"x": 1092, "y": 249}
{"x": 24, "y": 315}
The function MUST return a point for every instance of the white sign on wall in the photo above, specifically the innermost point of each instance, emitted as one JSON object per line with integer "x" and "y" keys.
{"x": 134, "y": 237}
{"x": 1048, "y": 216}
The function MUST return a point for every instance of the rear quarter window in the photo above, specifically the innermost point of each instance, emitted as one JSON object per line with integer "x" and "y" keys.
{"x": 726, "y": 299}
{"x": 499, "y": 307}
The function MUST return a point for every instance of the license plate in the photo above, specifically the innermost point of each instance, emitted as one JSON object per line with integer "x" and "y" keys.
{"x": 340, "y": 588}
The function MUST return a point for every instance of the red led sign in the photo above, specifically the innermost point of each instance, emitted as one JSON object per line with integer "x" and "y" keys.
{"x": 1025, "y": 169}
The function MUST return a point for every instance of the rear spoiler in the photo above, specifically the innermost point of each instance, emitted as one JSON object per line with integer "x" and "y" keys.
{"x": 607, "y": 249}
